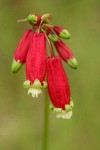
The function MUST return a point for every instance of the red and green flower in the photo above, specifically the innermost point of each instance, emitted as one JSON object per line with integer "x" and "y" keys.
{"x": 42, "y": 70}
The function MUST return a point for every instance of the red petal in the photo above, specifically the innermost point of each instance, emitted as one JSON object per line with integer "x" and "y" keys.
{"x": 63, "y": 50}
{"x": 58, "y": 86}
{"x": 58, "y": 29}
{"x": 23, "y": 47}
{"x": 36, "y": 58}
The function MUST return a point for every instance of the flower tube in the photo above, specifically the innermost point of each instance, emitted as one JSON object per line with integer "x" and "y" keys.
{"x": 61, "y": 32}
{"x": 59, "y": 88}
{"x": 65, "y": 53}
{"x": 36, "y": 65}
{"x": 21, "y": 51}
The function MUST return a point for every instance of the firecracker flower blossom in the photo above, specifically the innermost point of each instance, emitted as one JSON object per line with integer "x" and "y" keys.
{"x": 58, "y": 88}
{"x": 61, "y": 32}
{"x": 66, "y": 53}
{"x": 36, "y": 65}
{"x": 63, "y": 50}
{"x": 32, "y": 50}
{"x": 21, "y": 51}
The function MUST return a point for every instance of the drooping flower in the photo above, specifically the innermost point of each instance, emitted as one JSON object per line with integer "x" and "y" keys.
{"x": 63, "y": 50}
{"x": 66, "y": 53}
{"x": 58, "y": 88}
{"x": 61, "y": 32}
{"x": 21, "y": 51}
{"x": 32, "y": 51}
{"x": 36, "y": 65}
{"x": 54, "y": 32}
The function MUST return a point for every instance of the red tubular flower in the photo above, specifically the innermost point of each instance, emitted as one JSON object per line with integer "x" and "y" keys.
{"x": 21, "y": 51}
{"x": 32, "y": 51}
{"x": 65, "y": 53}
{"x": 61, "y": 32}
{"x": 36, "y": 65}
{"x": 58, "y": 88}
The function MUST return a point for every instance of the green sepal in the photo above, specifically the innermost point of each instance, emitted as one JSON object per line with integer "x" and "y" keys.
{"x": 32, "y": 19}
{"x": 71, "y": 103}
{"x": 53, "y": 38}
{"x": 64, "y": 34}
{"x": 52, "y": 108}
{"x": 36, "y": 85}
{"x": 26, "y": 84}
{"x": 65, "y": 114}
{"x": 72, "y": 62}
{"x": 16, "y": 65}
{"x": 68, "y": 108}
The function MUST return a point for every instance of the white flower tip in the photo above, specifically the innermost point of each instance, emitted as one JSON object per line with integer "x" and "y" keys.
{"x": 67, "y": 115}
{"x": 34, "y": 92}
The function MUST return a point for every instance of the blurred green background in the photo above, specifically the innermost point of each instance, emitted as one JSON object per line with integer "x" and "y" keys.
{"x": 21, "y": 117}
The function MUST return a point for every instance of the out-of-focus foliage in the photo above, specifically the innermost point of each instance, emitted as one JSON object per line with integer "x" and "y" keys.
{"x": 21, "y": 117}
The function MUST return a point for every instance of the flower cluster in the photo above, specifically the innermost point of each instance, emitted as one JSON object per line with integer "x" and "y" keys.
{"x": 42, "y": 70}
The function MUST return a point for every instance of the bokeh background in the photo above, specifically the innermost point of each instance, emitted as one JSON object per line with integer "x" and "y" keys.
{"x": 21, "y": 117}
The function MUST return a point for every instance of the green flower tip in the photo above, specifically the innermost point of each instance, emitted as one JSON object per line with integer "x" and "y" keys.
{"x": 72, "y": 62}
{"x": 32, "y": 19}
{"x": 46, "y": 18}
{"x": 36, "y": 88}
{"x": 26, "y": 84}
{"x": 53, "y": 37}
{"x": 65, "y": 34}
{"x": 64, "y": 114}
{"x": 36, "y": 85}
{"x": 16, "y": 65}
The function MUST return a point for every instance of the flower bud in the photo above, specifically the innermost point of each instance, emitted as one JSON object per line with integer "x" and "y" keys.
{"x": 21, "y": 51}
{"x": 61, "y": 32}
{"x": 72, "y": 62}
{"x": 66, "y": 54}
{"x": 46, "y": 18}
{"x": 16, "y": 65}
{"x": 34, "y": 19}
{"x": 52, "y": 35}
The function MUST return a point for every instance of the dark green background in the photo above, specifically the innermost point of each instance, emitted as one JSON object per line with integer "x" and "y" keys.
{"x": 21, "y": 117}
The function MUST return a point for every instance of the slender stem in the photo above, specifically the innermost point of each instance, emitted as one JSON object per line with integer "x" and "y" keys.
{"x": 49, "y": 43}
{"x": 46, "y": 123}
{"x": 22, "y": 20}
{"x": 40, "y": 26}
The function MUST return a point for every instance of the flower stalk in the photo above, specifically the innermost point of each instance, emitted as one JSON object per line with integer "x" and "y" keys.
{"x": 49, "y": 44}
{"x": 43, "y": 71}
{"x": 46, "y": 123}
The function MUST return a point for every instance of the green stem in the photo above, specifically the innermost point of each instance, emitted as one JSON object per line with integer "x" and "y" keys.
{"x": 46, "y": 123}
